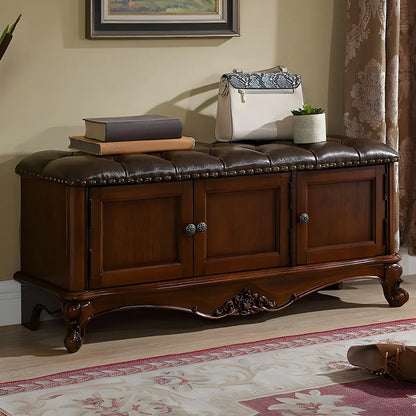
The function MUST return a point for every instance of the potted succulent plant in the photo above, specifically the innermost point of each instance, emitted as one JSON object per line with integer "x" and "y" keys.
{"x": 309, "y": 125}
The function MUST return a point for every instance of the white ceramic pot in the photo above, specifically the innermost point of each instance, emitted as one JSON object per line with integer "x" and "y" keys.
{"x": 309, "y": 128}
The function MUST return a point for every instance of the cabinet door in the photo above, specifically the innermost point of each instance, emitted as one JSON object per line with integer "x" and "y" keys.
{"x": 345, "y": 211}
{"x": 136, "y": 233}
{"x": 247, "y": 223}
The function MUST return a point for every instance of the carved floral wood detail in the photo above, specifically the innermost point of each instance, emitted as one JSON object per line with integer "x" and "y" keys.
{"x": 249, "y": 303}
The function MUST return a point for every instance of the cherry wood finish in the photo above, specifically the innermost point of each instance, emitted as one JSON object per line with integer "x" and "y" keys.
{"x": 347, "y": 212}
{"x": 126, "y": 246}
{"x": 248, "y": 224}
{"x": 53, "y": 223}
{"x": 136, "y": 233}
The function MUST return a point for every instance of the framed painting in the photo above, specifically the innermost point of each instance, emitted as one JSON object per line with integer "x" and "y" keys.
{"x": 107, "y": 19}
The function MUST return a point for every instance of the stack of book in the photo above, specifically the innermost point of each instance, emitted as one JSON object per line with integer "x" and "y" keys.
{"x": 135, "y": 134}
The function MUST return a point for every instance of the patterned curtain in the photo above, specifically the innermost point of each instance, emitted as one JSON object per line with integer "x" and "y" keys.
{"x": 379, "y": 85}
{"x": 407, "y": 125}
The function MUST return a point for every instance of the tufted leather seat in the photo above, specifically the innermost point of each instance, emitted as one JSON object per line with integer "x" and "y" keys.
{"x": 205, "y": 161}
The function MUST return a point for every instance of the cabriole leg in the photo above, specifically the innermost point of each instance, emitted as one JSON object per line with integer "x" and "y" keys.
{"x": 394, "y": 295}
{"x": 76, "y": 315}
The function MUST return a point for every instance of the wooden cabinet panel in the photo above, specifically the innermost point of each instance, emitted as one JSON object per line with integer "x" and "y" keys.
{"x": 53, "y": 241}
{"x": 346, "y": 210}
{"x": 130, "y": 242}
{"x": 247, "y": 224}
{"x": 136, "y": 233}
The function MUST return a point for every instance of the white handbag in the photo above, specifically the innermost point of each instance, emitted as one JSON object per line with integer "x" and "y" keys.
{"x": 257, "y": 105}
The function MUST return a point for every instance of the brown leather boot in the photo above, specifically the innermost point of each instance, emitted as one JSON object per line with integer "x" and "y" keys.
{"x": 394, "y": 361}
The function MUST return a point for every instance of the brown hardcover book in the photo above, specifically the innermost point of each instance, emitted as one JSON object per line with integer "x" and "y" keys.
{"x": 144, "y": 127}
{"x": 96, "y": 147}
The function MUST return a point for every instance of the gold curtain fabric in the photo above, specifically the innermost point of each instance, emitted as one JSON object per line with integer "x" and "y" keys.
{"x": 378, "y": 91}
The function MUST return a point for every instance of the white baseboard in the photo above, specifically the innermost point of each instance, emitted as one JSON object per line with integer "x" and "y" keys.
{"x": 10, "y": 292}
{"x": 9, "y": 302}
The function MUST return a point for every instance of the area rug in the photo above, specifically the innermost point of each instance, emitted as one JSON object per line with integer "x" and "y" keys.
{"x": 296, "y": 375}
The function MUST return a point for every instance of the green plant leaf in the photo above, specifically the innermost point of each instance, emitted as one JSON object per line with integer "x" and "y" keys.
{"x": 307, "y": 109}
{"x": 13, "y": 26}
{"x": 5, "y": 31}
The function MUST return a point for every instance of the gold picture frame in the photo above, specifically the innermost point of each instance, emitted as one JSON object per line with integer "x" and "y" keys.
{"x": 115, "y": 19}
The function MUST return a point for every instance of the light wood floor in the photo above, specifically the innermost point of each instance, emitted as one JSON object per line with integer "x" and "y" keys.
{"x": 137, "y": 334}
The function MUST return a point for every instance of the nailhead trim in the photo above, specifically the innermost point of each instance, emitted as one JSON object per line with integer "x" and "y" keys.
{"x": 215, "y": 174}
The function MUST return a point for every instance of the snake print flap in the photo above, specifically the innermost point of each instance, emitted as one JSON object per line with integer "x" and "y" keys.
{"x": 259, "y": 80}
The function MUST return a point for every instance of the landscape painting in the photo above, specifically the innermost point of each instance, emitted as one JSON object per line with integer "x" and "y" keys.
{"x": 161, "y": 18}
{"x": 163, "y": 6}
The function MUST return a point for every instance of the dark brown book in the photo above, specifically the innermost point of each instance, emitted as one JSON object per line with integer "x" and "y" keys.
{"x": 96, "y": 147}
{"x": 144, "y": 127}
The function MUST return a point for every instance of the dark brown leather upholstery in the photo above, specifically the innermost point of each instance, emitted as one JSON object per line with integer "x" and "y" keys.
{"x": 207, "y": 160}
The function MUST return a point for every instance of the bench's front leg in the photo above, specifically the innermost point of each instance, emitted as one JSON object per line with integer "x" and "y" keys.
{"x": 394, "y": 295}
{"x": 77, "y": 315}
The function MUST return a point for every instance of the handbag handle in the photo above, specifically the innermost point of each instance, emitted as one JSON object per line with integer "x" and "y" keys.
{"x": 278, "y": 68}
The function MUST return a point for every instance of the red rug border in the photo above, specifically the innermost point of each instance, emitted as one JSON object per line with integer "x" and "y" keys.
{"x": 42, "y": 381}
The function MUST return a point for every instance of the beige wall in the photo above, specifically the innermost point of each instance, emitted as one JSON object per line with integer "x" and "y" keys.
{"x": 51, "y": 77}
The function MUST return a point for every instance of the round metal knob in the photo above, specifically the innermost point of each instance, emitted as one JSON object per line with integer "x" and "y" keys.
{"x": 190, "y": 229}
{"x": 304, "y": 218}
{"x": 201, "y": 227}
